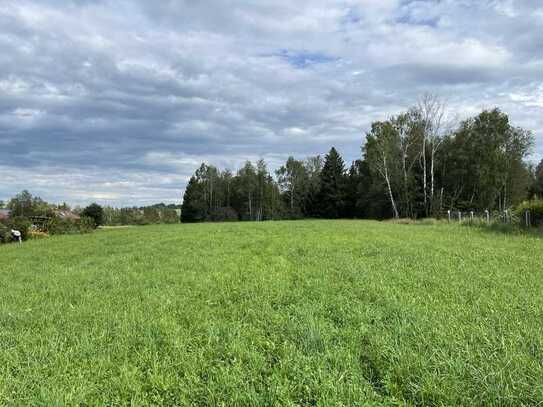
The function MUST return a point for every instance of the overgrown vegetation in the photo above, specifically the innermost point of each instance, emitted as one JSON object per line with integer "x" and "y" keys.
{"x": 415, "y": 165}
{"x": 36, "y": 218}
{"x": 145, "y": 215}
{"x": 531, "y": 213}
{"x": 274, "y": 313}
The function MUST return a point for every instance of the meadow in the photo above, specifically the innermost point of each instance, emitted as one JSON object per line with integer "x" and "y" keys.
{"x": 324, "y": 313}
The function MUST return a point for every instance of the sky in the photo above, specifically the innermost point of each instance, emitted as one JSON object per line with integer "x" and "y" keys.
{"x": 119, "y": 101}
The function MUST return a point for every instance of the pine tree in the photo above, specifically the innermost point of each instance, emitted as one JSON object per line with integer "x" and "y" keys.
{"x": 331, "y": 197}
{"x": 193, "y": 208}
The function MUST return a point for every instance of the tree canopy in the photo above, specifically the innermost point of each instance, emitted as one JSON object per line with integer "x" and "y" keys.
{"x": 416, "y": 164}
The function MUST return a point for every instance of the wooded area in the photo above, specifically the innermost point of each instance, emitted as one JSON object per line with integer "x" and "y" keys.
{"x": 414, "y": 165}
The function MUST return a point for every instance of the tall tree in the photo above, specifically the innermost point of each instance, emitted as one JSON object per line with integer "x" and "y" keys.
{"x": 485, "y": 158}
{"x": 95, "y": 212}
{"x": 313, "y": 169}
{"x": 382, "y": 152}
{"x": 247, "y": 191}
{"x": 537, "y": 186}
{"x": 432, "y": 113}
{"x": 292, "y": 179}
{"x": 25, "y": 205}
{"x": 194, "y": 206}
{"x": 331, "y": 197}
{"x": 356, "y": 190}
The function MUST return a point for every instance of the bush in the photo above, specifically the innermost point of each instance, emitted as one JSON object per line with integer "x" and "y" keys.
{"x": 535, "y": 207}
{"x": 19, "y": 223}
{"x": 95, "y": 212}
{"x": 86, "y": 225}
{"x": 4, "y": 233}
{"x": 58, "y": 226}
{"x": 223, "y": 214}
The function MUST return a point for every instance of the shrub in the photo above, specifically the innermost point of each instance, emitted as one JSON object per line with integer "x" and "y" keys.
{"x": 4, "y": 233}
{"x": 535, "y": 207}
{"x": 58, "y": 226}
{"x": 86, "y": 224}
{"x": 19, "y": 223}
{"x": 95, "y": 212}
{"x": 223, "y": 214}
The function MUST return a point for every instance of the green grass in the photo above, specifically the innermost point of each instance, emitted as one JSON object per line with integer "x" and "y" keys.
{"x": 323, "y": 313}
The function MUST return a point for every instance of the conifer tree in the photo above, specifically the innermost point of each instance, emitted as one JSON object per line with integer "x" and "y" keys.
{"x": 193, "y": 208}
{"x": 331, "y": 197}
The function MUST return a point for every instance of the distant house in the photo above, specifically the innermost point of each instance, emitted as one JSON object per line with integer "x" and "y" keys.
{"x": 5, "y": 214}
{"x": 68, "y": 215}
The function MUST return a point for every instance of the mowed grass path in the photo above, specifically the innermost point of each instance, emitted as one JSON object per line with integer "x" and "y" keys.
{"x": 321, "y": 313}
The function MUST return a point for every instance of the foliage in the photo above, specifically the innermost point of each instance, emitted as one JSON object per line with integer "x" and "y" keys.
{"x": 144, "y": 215}
{"x": 5, "y": 233}
{"x": 251, "y": 194}
{"x": 331, "y": 201}
{"x": 292, "y": 179}
{"x": 19, "y": 223}
{"x": 329, "y": 313}
{"x": 58, "y": 226}
{"x": 194, "y": 208}
{"x": 536, "y": 189}
{"x": 169, "y": 216}
{"x": 535, "y": 209}
{"x": 414, "y": 165}
{"x": 484, "y": 161}
{"x": 222, "y": 214}
{"x": 95, "y": 212}
{"x": 26, "y": 205}
{"x": 85, "y": 225}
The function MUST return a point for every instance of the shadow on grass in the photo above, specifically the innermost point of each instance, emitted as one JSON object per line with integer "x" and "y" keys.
{"x": 508, "y": 229}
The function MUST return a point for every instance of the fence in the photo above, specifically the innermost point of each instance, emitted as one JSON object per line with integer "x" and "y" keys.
{"x": 477, "y": 217}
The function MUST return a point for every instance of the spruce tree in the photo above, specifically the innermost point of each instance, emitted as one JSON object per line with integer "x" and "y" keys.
{"x": 193, "y": 208}
{"x": 331, "y": 197}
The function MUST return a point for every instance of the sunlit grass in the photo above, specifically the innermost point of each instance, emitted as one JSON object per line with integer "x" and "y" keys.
{"x": 284, "y": 313}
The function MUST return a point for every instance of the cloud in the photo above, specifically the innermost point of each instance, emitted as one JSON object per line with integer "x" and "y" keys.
{"x": 119, "y": 101}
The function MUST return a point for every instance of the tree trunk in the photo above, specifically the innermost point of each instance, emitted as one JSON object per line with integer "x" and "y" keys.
{"x": 250, "y": 207}
{"x": 405, "y": 184}
{"x": 292, "y": 199}
{"x": 432, "y": 156}
{"x": 424, "y": 176}
{"x": 387, "y": 178}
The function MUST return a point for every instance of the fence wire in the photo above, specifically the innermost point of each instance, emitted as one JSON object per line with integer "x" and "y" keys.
{"x": 480, "y": 217}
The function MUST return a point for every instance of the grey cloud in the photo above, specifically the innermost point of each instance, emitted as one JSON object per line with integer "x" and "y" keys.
{"x": 118, "y": 101}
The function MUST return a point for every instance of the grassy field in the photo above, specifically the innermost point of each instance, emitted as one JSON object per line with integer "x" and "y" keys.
{"x": 320, "y": 313}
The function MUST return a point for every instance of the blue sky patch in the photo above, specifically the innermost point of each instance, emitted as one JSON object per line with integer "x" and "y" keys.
{"x": 304, "y": 59}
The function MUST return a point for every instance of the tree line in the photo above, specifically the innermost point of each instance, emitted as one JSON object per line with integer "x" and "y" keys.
{"x": 36, "y": 218}
{"x": 417, "y": 164}
{"x": 143, "y": 215}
